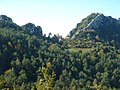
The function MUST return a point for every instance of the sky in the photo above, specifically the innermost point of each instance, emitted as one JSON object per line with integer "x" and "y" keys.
{"x": 56, "y": 16}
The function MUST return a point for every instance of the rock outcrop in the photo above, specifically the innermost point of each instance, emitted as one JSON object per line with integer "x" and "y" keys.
{"x": 5, "y": 18}
{"x": 6, "y": 22}
{"x": 32, "y": 29}
{"x": 97, "y": 24}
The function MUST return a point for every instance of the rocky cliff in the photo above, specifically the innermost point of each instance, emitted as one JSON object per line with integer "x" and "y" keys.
{"x": 5, "y": 18}
{"x": 32, "y": 29}
{"x": 6, "y": 22}
{"x": 96, "y": 24}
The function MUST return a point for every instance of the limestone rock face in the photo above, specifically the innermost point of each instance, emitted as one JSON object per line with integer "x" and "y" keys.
{"x": 102, "y": 22}
{"x": 5, "y": 18}
{"x": 97, "y": 24}
{"x": 31, "y": 28}
{"x": 6, "y": 22}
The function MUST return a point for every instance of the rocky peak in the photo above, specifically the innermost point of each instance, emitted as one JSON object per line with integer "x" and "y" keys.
{"x": 94, "y": 25}
{"x": 84, "y": 24}
{"x": 102, "y": 21}
{"x": 6, "y": 22}
{"x": 31, "y": 28}
{"x": 5, "y": 18}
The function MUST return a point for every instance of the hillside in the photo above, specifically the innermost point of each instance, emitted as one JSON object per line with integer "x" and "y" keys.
{"x": 30, "y": 60}
{"x": 97, "y": 28}
{"x": 106, "y": 27}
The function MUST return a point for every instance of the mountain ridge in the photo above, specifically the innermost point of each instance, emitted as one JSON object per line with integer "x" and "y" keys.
{"x": 7, "y": 22}
{"x": 96, "y": 24}
{"x": 5, "y": 18}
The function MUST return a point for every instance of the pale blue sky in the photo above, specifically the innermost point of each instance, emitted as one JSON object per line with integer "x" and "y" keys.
{"x": 56, "y": 16}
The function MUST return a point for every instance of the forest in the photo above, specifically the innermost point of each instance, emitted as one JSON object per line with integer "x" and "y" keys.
{"x": 31, "y": 60}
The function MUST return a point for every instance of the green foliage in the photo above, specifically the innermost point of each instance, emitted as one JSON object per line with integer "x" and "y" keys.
{"x": 30, "y": 62}
{"x": 48, "y": 78}
{"x": 1, "y": 83}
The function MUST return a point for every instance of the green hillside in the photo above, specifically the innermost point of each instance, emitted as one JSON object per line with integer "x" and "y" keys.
{"x": 30, "y": 60}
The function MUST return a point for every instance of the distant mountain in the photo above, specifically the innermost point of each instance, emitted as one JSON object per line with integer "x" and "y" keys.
{"x": 97, "y": 26}
{"x": 5, "y": 18}
{"x": 32, "y": 29}
{"x": 7, "y": 22}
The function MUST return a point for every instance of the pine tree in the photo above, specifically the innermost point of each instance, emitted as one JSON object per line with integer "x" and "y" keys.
{"x": 48, "y": 78}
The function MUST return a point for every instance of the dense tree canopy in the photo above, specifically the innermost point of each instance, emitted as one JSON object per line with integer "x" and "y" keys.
{"x": 37, "y": 62}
